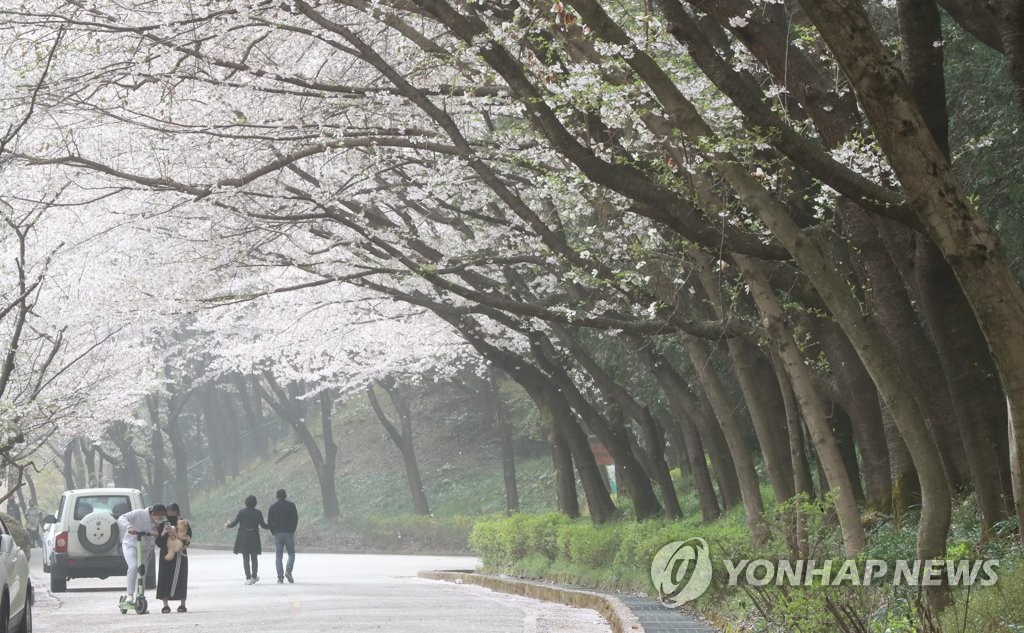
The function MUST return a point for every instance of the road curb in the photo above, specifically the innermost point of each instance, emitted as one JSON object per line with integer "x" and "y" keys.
{"x": 619, "y": 616}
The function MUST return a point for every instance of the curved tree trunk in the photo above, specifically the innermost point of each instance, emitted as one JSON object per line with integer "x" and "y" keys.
{"x": 289, "y": 405}
{"x": 670, "y": 385}
{"x": 403, "y": 441}
{"x": 750, "y": 489}
{"x": 616, "y": 438}
{"x": 766, "y": 412}
{"x": 859, "y": 398}
{"x": 977, "y": 400}
{"x": 891, "y": 307}
{"x": 965, "y": 240}
{"x": 811, "y": 404}
{"x": 803, "y": 483}
{"x": 653, "y": 457}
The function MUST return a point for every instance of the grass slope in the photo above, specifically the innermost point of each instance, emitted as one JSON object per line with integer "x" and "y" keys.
{"x": 460, "y": 467}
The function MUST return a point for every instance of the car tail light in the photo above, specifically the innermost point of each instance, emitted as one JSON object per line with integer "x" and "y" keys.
{"x": 60, "y": 544}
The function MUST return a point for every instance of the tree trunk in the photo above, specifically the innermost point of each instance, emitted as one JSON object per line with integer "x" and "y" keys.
{"x": 177, "y": 441}
{"x": 289, "y": 405}
{"x": 673, "y": 386}
{"x": 750, "y": 489}
{"x": 919, "y": 362}
{"x": 158, "y": 484}
{"x": 130, "y": 470}
{"x": 967, "y": 243}
{"x": 802, "y": 481}
{"x": 1010, "y": 18}
{"x": 978, "y": 403}
{"x": 840, "y": 423}
{"x": 766, "y": 413}
{"x": 67, "y": 458}
{"x": 328, "y": 488}
{"x": 404, "y": 441}
{"x": 653, "y": 458}
{"x": 859, "y": 398}
{"x": 212, "y": 426}
{"x": 569, "y": 443}
{"x": 231, "y": 435}
{"x": 252, "y": 407}
{"x": 554, "y": 411}
{"x": 811, "y": 404}
{"x": 628, "y": 470}
{"x": 566, "y": 498}
{"x": 496, "y": 414}
{"x": 654, "y": 436}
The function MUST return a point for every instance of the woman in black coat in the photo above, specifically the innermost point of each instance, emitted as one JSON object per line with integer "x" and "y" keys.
{"x": 247, "y": 542}
{"x": 173, "y": 581}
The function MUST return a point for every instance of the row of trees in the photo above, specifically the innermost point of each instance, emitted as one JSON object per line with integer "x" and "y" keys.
{"x": 743, "y": 232}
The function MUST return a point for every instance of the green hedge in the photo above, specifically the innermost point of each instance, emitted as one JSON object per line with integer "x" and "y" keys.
{"x": 615, "y": 555}
{"x": 501, "y": 542}
{"x": 618, "y": 556}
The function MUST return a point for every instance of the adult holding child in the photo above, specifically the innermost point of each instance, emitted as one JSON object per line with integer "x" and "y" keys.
{"x": 247, "y": 542}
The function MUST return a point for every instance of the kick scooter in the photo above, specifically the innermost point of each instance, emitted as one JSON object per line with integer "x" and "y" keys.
{"x": 139, "y": 603}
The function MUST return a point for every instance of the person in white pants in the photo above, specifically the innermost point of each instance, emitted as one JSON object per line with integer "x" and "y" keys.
{"x": 142, "y": 521}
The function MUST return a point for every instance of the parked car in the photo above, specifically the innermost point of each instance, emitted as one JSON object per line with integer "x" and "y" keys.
{"x": 15, "y": 584}
{"x": 83, "y": 539}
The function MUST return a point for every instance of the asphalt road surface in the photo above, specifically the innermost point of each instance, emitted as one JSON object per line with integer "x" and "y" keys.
{"x": 332, "y": 592}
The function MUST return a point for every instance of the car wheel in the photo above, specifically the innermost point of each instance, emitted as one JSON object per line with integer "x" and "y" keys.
{"x": 58, "y": 584}
{"x": 98, "y": 532}
{"x": 25, "y": 626}
{"x": 5, "y": 615}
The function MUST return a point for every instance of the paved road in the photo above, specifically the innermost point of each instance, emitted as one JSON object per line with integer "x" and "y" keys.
{"x": 332, "y": 592}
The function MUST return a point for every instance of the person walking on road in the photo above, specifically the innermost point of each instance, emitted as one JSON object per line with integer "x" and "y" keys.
{"x": 172, "y": 583}
{"x": 247, "y": 542}
{"x": 147, "y": 521}
{"x": 283, "y": 518}
{"x": 33, "y": 515}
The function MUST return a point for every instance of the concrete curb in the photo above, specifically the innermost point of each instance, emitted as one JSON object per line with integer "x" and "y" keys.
{"x": 618, "y": 615}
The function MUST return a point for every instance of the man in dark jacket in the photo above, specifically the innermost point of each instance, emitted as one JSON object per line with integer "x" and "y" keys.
{"x": 283, "y": 518}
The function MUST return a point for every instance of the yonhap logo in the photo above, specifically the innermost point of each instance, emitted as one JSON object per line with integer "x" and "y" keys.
{"x": 681, "y": 571}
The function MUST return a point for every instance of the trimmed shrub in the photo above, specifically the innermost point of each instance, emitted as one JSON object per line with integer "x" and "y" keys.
{"x": 583, "y": 543}
{"x": 501, "y": 542}
{"x": 542, "y": 533}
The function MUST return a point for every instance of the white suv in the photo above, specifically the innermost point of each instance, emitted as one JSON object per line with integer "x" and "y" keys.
{"x": 84, "y": 541}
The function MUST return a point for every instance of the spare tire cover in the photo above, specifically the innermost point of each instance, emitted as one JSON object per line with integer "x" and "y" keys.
{"x": 98, "y": 531}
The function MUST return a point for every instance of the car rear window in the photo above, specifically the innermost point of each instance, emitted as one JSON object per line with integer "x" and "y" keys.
{"x": 114, "y": 504}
